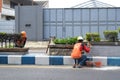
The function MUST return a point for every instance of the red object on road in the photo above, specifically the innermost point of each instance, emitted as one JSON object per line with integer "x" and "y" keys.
{"x": 93, "y": 64}
{"x": 98, "y": 64}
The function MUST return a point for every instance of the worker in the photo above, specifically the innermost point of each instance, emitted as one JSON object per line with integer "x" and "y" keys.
{"x": 78, "y": 52}
{"x": 22, "y": 41}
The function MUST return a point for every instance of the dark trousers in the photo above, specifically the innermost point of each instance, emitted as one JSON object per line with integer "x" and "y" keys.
{"x": 81, "y": 61}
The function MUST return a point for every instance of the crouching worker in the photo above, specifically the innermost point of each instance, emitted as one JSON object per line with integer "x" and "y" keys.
{"x": 21, "y": 42}
{"x": 77, "y": 53}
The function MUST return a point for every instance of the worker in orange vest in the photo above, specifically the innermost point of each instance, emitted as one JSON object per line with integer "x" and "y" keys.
{"x": 78, "y": 52}
{"x": 21, "y": 42}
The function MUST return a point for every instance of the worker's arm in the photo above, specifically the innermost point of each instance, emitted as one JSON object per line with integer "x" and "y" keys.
{"x": 87, "y": 47}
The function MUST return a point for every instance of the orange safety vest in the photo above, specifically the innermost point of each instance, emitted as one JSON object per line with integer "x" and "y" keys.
{"x": 76, "y": 52}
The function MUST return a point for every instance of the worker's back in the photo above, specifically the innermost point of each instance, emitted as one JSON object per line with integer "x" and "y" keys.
{"x": 76, "y": 52}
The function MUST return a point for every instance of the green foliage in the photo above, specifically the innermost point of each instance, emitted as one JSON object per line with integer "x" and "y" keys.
{"x": 93, "y": 37}
{"x": 7, "y": 38}
{"x": 11, "y": 46}
{"x": 111, "y": 35}
{"x": 70, "y": 40}
{"x": 2, "y": 33}
{"x": 59, "y": 41}
{"x": 119, "y": 29}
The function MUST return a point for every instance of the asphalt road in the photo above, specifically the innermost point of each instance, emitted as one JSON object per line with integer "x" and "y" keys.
{"x": 31, "y": 72}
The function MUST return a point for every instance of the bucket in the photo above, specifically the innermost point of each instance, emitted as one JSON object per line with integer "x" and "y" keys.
{"x": 98, "y": 64}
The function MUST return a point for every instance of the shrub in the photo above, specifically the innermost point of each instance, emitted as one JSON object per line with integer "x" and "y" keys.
{"x": 70, "y": 40}
{"x": 119, "y": 29}
{"x": 59, "y": 41}
{"x": 93, "y": 37}
{"x": 111, "y": 35}
{"x": 7, "y": 38}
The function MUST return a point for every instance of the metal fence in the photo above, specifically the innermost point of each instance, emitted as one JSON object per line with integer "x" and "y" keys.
{"x": 70, "y": 22}
{"x": 64, "y": 22}
{"x": 7, "y": 26}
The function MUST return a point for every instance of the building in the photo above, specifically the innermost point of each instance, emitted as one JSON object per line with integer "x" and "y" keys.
{"x": 92, "y": 4}
{"x": 7, "y": 7}
{"x": 43, "y": 23}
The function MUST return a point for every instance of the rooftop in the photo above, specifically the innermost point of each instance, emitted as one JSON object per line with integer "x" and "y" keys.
{"x": 92, "y": 4}
{"x": 43, "y": 3}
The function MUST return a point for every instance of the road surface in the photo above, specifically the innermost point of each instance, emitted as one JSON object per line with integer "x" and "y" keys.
{"x": 37, "y": 72}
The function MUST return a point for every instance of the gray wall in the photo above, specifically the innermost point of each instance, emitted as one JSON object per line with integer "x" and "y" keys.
{"x": 30, "y": 19}
{"x": 7, "y": 26}
{"x": 65, "y": 22}
{"x": 109, "y": 51}
{"x": 69, "y": 22}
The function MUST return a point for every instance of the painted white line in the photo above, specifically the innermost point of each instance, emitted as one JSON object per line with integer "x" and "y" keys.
{"x": 107, "y": 68}
{"x": 34, "y": 66}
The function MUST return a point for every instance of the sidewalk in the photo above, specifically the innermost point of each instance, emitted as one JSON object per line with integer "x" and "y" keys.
{"x": 37, "y": 47}
{"x": 37, "y": 56}
{"x": 37, "y": 44}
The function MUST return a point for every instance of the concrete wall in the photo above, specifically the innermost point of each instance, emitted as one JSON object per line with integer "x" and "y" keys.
{"x": 96, "y": 50}
{"x": 109, "y": 51}
{"x": 30, "y": 19}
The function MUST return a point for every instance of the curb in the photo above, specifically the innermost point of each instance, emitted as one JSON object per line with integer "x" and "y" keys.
{"x": 53, "y": 60}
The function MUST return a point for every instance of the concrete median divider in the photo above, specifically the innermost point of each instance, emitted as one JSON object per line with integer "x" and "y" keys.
{"x": 53, "y": 60}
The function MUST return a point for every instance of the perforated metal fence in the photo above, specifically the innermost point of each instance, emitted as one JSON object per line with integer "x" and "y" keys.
{"x": 7, "y": 26}
{"x": 69, "y": 22}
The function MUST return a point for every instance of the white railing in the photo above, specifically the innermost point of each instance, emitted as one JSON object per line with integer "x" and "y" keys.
{"x": 8, "y": 11}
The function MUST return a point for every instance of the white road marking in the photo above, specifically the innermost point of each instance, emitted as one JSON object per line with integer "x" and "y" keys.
{"x": 107, "y": 68}
{"x": 61, "y": 67}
